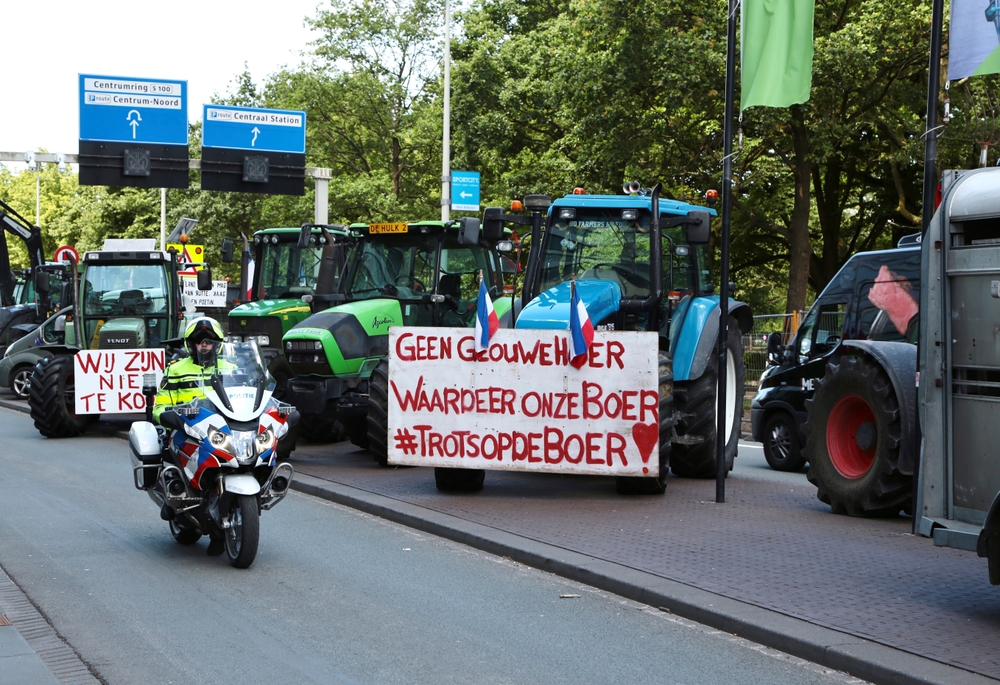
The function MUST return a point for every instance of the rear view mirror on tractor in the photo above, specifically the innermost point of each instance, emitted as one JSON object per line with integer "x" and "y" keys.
{"x": 41, "y": 279}
{"x": 205, "y": 279}
{"x": 698, "y": 227}
{"x": 304, "y": 235}
{"x": 468, "y": 230}
{"x": 227, "y": 251}
{"x": 493, "y": 223}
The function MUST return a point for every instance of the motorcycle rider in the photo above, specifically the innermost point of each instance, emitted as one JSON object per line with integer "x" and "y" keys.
{"x": 183, "y": 382}
{"x": 183, "y": 378}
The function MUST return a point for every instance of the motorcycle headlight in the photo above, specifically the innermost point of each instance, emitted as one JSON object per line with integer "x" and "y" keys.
{"x": 243, "y": 447}
{"x": 265, "y": 441}
{"x": 221, "y": 441}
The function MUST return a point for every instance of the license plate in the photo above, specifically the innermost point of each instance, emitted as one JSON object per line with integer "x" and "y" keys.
{"x": 394, "y": 227}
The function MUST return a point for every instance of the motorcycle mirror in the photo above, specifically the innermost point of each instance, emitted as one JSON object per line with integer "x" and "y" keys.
{"x": 171, "y": 419}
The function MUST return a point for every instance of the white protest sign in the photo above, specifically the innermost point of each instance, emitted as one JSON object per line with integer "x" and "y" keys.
{"x": 216, "y": 297}
{"x": 110, "y": 381}
{"x": 520, "y": 405}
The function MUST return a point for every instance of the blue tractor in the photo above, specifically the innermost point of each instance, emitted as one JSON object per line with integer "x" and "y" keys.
{"x": 641, "y": 264}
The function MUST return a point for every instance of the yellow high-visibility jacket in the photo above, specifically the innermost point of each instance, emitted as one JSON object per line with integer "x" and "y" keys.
{"x": 182, "y": 382}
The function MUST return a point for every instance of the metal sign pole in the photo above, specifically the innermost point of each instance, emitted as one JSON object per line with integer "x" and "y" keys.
{"x": 446, "y": 135}
{"x": 727, "y": 202}
{"x": 163, "y": 219}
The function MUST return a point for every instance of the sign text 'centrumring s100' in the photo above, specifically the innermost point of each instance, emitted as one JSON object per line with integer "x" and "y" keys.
{"x": 133, "y": 110}
{"x": 520, "y": 405}
{"x": 110, "y": 381}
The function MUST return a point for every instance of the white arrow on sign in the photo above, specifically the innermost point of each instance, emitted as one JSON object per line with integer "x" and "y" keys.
{"x": 133, "y": 123}
{"x": 256, "y": 131}
{"x": 464, "y": 194}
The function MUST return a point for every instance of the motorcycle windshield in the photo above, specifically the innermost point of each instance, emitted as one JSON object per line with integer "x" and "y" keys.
{"x": 238, "y": 383}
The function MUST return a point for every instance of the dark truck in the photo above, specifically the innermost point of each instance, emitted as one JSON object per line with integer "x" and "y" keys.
{"x": 875, "y": 295}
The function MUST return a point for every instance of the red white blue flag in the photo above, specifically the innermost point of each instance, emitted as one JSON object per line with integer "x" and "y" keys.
{"x": 487, "y": 322}
{"x": 249, "y": 292}
{"x": 581, "y": 330}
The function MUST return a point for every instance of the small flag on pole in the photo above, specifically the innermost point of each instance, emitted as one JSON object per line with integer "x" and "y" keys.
{"x": 581, "y": 330}
{"x": 487, "y": 322}
{"x": 249, "y": 292}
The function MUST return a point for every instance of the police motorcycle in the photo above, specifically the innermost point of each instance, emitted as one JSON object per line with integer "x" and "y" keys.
{"x": 216, "y": 468}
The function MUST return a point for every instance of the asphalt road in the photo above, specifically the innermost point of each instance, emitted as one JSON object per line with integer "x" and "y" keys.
{"x": 335, "y": 595}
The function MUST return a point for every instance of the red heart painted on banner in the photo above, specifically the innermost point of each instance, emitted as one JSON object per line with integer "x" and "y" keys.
{"x": 645, "y": 435}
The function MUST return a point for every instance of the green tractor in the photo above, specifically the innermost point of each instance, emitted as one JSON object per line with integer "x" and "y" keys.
{"x": 129, "y": 297}
{"x": 291, "y": 273}
{"x": 424, "y": 273}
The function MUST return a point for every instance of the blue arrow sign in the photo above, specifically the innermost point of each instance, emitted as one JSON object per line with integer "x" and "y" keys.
{"x": 248, "y": 128}
{"x": 465, "y": 191}
{"x": 123, "y": 109}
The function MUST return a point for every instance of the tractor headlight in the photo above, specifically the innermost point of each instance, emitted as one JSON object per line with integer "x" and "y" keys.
{"x": 263, "y": 340}
{"x": 265, "y": 441}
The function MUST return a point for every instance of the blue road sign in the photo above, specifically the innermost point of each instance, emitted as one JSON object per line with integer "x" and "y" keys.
{"x": 248, "y": 128}
{"x": 133, "y": 110}
{"x": 465, "y": 191}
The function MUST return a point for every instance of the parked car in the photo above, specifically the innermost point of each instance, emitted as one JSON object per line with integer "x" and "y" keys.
{"x": 20, "y": 357}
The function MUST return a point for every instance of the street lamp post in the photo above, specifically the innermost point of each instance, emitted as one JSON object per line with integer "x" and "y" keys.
{"x": 446, "y": 137}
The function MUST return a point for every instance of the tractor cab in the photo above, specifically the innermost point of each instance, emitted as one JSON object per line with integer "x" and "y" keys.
{"x": 623, "y": 262}
{"x": 431, "y": 268}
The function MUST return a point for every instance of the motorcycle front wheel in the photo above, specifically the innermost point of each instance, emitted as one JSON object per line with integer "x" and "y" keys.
{"x": 242, "y": 530}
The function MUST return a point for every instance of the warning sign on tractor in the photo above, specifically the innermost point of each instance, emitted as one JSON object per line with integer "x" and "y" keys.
{"x": 191, "y": 257}
{"x": 520, "y": 405}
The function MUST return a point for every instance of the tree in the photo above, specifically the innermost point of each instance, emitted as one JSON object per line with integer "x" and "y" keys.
{"x": 372, "y": 102}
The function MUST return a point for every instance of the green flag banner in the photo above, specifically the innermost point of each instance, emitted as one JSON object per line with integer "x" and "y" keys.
{"x": 776, "y": 52}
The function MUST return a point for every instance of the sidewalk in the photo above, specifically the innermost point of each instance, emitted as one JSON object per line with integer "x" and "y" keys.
{"x": 31, "y": 651}
{"x": 772, "y": 564}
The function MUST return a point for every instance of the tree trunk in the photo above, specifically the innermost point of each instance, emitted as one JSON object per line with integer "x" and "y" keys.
{"x": 800, "y": 251}
{"x": 397, "y": 171}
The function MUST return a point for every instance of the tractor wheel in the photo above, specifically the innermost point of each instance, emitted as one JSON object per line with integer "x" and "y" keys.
{"x": 635, "y": 485}
{"x": 460, "y": 480}
{"x": 852, "y": 441}
{"x": 52, "y": 402}
{"x": 378, "y": 413}
{"x": 320, "y": 429}
{"x": 781, "y": 443}
{"x": 356, "y": 428}
{"x": 695, "y": 404}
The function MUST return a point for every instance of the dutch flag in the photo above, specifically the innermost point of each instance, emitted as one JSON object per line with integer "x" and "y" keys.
{"x": 581, "y": 330}
{"x": 487, "y": 322}
{"x": 249, "y": 292}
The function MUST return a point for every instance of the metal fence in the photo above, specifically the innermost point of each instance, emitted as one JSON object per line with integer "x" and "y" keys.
{"x": 755, "y": 353}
